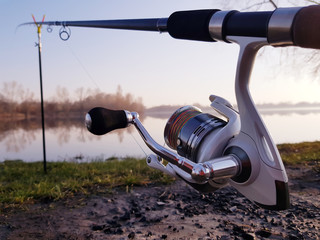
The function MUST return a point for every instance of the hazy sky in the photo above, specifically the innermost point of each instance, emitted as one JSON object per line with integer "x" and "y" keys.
{"x": 153, "y": 66}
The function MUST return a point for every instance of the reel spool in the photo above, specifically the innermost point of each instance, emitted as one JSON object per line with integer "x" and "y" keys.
{"x": 187, "y": 128}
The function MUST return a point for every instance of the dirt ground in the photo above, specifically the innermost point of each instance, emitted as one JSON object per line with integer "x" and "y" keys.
{"x": 170, "y": 212}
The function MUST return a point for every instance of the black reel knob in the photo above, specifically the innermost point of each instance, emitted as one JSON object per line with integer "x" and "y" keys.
{"x": 100, "y": 120}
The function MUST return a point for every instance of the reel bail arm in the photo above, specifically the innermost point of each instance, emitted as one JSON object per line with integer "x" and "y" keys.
{"x": 268, "y": 183}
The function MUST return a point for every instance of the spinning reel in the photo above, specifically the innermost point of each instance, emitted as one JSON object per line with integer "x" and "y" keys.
{"x": 209, "y": 150}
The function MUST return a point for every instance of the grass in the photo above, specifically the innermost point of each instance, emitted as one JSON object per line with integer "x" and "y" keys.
{"x": 25, "y": 182}
{"x": 22, "y": 182}
{"x": 300, "y": 153}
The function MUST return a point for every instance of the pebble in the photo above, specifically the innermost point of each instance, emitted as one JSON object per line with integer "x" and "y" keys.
{"x": 97, "y": 227}
{"x": 247, "y": 236}
{"x": 143, "y": 219}
{"x": 161, "y": 203}
{"x": 263, "y": 233}
{"x": 131, "y": 235}
{"x": 125, "y": 216}
{"x": 233, "y": 209}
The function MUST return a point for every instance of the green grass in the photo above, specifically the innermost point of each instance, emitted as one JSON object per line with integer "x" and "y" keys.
{"x": 25, "y": 182}
{"x": 300, "y": 153}
{"x": 22, "y": 182}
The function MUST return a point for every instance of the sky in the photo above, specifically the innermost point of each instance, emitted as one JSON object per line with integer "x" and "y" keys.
{"x": 152, "y": 66}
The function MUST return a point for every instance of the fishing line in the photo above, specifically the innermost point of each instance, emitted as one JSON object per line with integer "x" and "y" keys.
{"x": 138, "y": 144}
{"x": 83, "y": 67}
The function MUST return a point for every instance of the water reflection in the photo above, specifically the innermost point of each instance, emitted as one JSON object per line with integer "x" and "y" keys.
{"x": 16, "y": 136}
{"x": 17, "y": 140}
{"x": 168, "y": 111}
{"x": 289, "y": 111}
{"x": 68, "y": 139}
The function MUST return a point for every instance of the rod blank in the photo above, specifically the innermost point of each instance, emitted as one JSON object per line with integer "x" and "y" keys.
{"x": 149, "y": 24}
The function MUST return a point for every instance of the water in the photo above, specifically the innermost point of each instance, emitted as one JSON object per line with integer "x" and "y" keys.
{"x": 74, "y": 143}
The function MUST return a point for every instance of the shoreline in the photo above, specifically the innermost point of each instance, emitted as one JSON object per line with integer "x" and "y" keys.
{"x": 119, "y": 203}
{"x": 173, "y": 211}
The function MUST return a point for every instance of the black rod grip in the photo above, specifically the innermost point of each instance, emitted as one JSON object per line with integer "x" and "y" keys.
{"x": 250, "y": 24}
{"x": 191, "y": 25}
{"x": 306, "y": 27}
{"x": 100, "y": 120}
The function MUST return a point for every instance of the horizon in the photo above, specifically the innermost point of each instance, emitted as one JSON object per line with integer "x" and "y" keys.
{"x": 63, "y": 96}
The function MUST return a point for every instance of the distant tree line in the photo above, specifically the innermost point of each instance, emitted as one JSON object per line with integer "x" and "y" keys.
{"x": 16, "y": 102}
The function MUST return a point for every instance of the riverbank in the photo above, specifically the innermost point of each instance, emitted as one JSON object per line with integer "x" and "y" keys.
{"x": 23, "y": 182}
{"x": 173, "y": 211}
{"x": 149, "y": 207}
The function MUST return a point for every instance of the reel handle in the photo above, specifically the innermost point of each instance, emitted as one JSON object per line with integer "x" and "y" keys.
{"x": 100, "y": 121}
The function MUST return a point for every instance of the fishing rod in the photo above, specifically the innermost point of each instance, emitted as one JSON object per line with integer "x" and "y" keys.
{"x": 282, "y": 27}
{"x": 209, "y": 150}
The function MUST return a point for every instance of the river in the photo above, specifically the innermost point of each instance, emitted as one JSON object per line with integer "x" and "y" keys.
{"x": 72, "y": 142}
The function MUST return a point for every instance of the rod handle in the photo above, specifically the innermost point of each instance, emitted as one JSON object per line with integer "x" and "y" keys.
{"x": 306, "y": 27}
{"x": 190, "y": 25}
